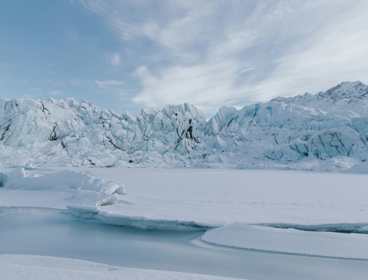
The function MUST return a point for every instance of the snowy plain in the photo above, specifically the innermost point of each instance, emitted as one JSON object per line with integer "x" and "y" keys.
{"x": 46, "y": 268}
{"x": 212, "y": 197}
{"x": 313, "y": 206}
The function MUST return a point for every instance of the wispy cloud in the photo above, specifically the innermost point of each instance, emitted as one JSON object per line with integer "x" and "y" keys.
{"x": 247, "y": 70}
{"x": 212, "y": 53}
{"x": 108, "y": 84}
{"x": 115, "y": 59}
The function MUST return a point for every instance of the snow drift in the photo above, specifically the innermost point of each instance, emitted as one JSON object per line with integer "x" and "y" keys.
{"x": 300, "y": 132}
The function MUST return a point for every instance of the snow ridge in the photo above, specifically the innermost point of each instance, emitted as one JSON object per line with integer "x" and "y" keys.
{"x": 301, "y": 132}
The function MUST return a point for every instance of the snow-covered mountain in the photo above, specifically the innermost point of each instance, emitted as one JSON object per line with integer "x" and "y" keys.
{"x": 345, "y": 96}
{"x": 326, "y": 131}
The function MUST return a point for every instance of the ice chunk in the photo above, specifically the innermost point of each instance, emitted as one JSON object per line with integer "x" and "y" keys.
{"x": 18, "y": 179}
{"x": 337, "y": 164}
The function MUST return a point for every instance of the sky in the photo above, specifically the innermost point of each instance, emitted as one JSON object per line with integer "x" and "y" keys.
{"x": 129, "y": 54}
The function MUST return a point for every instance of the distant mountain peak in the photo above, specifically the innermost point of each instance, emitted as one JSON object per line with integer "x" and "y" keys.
{"x": 344, "y": 96}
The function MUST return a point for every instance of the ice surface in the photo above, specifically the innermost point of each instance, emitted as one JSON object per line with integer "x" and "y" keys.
{"x": 286, "y": 133}
{"x": 19, "y": 267}
{"x": 46, "y": 232}
{"x": 314, "y": 243}
{"x": 190, "y": 198}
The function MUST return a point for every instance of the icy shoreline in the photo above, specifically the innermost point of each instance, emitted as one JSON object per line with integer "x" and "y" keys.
{"x": 191, "y": 199}
{"x": 51, "y": 233}
{"x": 290, "y": 241}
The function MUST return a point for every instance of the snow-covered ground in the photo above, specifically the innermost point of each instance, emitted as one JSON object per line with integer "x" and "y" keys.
{"x": 205, "y": 198}
{"x": 161, "y": 198}
{"x": 46, "y": 268}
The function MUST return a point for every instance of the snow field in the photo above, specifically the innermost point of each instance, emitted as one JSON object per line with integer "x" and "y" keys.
{"x": 20, "y": 267}
{"x": 219, "y": 197}
{"x": 195, "y": 198}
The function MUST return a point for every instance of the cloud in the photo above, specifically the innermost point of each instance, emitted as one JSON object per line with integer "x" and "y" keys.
{"x": 247, "y": 70}
{"x": 212, "y": 53}
{"x": 108, "y": 84}
{"x": 336, "y": 53}
{"x": 115, "y": 59}
{"x": 205, "y": 85}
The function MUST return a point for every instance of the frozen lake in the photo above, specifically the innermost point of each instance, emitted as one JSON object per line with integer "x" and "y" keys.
{"x": 47, "y": 232}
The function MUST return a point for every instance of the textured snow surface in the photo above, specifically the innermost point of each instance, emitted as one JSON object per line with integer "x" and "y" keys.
{"x": 325, "y": 244}
{"x": 20, "y": 267}
{"x": 186, "y": 198}
{"x": 300, "y": 133}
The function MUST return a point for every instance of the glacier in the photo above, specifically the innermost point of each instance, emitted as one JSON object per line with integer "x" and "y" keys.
{"x": 306, "y": 132}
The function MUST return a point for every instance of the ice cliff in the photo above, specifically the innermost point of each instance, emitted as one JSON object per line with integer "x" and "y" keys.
{"x": 300, "y": 132}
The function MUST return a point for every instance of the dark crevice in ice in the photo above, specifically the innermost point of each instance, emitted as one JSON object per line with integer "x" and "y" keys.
{"x": 338, "y": 228}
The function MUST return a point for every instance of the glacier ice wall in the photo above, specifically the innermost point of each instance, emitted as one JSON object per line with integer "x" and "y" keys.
{"x": 283, "y": 133}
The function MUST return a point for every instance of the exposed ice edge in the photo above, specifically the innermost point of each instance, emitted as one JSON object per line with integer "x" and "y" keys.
{"x": 290, "y": 241}
{"x": 323, "y": 132}
{"x": 321, "y": 233}
{"x": 95, "y": 213}
{"x": 338, "y": 228}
